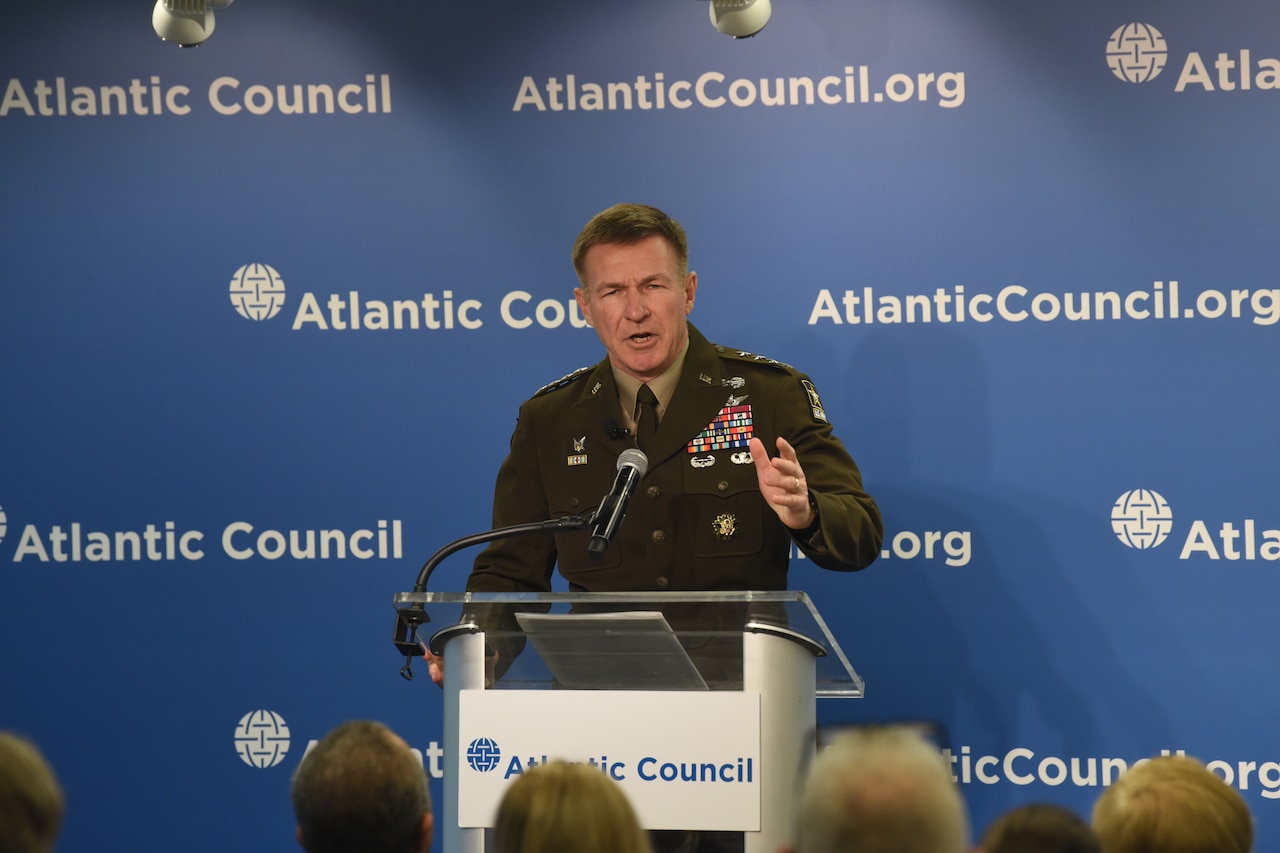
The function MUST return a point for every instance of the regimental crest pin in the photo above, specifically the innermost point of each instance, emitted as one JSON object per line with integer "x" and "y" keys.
{"x": 579, "y": 457}
{"x": 725, "y": 526}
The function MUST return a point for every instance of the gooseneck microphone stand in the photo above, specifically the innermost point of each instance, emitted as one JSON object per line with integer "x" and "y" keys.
{"x": 408, "y": 620}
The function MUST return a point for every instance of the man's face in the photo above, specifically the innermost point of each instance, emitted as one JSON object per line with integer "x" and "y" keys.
{"x": 635, "y": 298}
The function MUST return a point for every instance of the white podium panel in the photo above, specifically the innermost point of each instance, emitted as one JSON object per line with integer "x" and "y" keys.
{"x": 686, "y": 760}
{"x": 701, "y": 705}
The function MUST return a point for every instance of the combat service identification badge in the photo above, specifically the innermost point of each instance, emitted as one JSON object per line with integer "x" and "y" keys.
{"x": 819, "y": 413}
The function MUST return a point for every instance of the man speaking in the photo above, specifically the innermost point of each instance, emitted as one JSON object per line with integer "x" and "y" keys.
{"x": 741, "y": 458}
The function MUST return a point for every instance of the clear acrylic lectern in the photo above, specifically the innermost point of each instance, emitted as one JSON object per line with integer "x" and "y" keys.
{"x": 617, "y": 653}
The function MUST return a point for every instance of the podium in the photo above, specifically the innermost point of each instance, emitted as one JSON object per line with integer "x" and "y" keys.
{"x": 702, "y": 705}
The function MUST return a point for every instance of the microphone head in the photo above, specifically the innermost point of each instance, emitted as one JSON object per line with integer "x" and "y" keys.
{"x": 633, "y": 458}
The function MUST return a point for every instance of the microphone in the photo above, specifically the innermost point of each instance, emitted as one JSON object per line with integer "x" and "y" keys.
{"x": 632, "y": 465}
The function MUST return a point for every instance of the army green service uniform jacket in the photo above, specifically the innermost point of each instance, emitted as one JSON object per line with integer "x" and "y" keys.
{"x": 697, "y": 521}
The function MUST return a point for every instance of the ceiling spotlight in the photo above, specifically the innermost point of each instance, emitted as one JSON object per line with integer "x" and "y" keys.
{"x": 740, "y": 18}
{"x": 186, "y": 23}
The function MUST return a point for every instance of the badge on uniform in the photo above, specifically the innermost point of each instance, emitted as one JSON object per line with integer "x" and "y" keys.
{"x": 578, "y": 457}
{"x": 819, "y": 414}
{"x": 724, "y": 526}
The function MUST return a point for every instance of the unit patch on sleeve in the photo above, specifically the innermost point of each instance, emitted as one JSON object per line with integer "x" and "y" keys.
{"x": 819, "y": 414}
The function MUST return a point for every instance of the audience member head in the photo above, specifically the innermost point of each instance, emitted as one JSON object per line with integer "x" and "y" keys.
{"x": 559, "y": 807}
{"x": 362, "y": 790}
{"x": 1040, "y": 828}
{"x": 881, "y": 790}
{"x": 30, "y": 798}
{"x": 1172, "y": 804}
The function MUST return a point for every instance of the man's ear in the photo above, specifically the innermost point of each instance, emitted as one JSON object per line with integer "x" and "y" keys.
{"x": 297, "y": 833}
{"x": 428, "y": 833}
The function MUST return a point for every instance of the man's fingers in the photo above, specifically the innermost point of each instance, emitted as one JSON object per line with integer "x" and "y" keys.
{"x": 759, "y": 456}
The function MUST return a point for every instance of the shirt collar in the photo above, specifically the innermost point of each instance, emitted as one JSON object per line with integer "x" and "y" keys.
{"x": 662, "y": 386}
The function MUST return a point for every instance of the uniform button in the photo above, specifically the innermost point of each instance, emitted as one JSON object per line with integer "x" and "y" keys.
{"x": 659, "y": 536}
{"x": 662, "y": 583}
{"x": 722, "y": 485}
{"x": 653, "y": 491}
{"x": 574, "y": 503}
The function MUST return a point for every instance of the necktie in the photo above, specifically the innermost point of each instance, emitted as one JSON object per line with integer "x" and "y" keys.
{"x": 646, "y": 417}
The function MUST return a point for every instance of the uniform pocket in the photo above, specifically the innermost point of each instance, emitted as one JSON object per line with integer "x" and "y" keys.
{"x": 723, "y": 504}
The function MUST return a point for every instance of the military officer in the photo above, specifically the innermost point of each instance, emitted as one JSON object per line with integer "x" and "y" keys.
{"x": 742, "y": 461}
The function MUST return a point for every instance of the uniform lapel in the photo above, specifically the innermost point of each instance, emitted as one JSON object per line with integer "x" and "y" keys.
{"x": 597, "y": 406}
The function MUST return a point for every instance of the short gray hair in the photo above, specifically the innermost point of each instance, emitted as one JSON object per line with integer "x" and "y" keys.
{"x": 881, "y": 789}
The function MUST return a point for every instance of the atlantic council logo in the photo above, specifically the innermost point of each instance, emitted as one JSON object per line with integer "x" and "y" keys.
{"x": 1137, "y": 53}
{"x": 1141, "y": 518}
{"x": 4, "y": 524}
{"x": 262, "y": 739}
{"x": 483, "y": 754}
{"x": 257, "y": 292}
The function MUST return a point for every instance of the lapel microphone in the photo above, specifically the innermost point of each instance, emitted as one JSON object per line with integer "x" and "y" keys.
{"x": 615, "y": 429}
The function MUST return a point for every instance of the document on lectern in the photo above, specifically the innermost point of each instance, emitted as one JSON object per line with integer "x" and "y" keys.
{"x": 632, "y": 650}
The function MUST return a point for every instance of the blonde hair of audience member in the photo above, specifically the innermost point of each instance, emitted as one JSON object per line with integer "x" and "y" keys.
{"x": 1172, "y": 804}
{"x": 1039, "y": 828}
{"x": 880, "y": 790}
{"x": 559, "y": 807}
{"x": 31, "y": 802}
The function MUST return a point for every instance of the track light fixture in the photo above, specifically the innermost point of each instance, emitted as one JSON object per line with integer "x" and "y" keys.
{"x": 186, "y": 23}
{"x": 740, "y": 18}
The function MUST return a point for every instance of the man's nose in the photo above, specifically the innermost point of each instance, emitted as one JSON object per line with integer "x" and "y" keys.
{"x": 637, "y": 307}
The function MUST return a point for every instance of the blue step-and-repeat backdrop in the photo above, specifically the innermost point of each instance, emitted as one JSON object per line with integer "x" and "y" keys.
{"x": 270, "y": 304}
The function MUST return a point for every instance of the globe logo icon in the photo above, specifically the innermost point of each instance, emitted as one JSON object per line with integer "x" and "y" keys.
{"x": 262, "y": 739}
{"x": 1141, "y": 518}
{"x": 4, "y": 524}
{"x": 1137, "y": 53}
{"x": 483, "y": 754}
{"x": 257, "y": 292}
